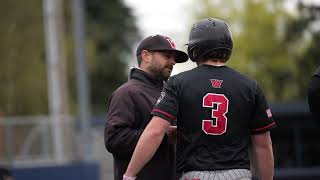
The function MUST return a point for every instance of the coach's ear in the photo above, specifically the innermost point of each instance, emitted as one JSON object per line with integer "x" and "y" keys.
{"x": 145, "y": 56}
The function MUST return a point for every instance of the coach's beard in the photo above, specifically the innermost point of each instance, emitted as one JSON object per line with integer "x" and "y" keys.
{"x": 166, "y": 72}
{"x": 162, "y": 74}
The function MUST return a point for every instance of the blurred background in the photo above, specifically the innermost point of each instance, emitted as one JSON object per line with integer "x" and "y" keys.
{"x": 60, "y": 60}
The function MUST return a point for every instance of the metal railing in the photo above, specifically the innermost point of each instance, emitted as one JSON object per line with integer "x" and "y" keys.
{"x": 28, "y": 140}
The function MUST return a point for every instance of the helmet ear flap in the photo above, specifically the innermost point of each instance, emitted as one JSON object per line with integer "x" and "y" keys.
{"x": 206, "y": 50}
{"x": 193, "y": 52}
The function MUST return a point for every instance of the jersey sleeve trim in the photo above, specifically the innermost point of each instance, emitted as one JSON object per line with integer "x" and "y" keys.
{"x": 165, "y": 113}
{"x": 263, "y": 129}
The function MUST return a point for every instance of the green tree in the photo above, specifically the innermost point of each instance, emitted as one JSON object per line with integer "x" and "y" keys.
{"x": 23, "y": 87}
{"x": 112, "y": 32}
{"x": 260, "y": 49}
{"x": 304, "y": 38}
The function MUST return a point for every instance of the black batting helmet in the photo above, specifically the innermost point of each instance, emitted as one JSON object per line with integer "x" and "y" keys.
{"x": 210, "y": 37}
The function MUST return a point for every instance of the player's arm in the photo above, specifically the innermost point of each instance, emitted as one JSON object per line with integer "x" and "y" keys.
{"x": 263, "y": 155}
{"x": 147, "y": 145}
{"x": 261, "y": 125}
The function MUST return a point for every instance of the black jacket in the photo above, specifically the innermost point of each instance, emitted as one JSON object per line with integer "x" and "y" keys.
{"x": 128, "y": 114}
{"x": 314, "y": 95}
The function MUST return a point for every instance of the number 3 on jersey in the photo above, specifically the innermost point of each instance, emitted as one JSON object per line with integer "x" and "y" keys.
{"x": 219, "y": 114}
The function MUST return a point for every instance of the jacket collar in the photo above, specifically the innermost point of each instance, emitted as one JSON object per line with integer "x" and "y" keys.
{"x": 145, "y": 77}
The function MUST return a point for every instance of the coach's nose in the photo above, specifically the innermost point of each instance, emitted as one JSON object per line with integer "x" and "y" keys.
{"x": 172, "y": 60}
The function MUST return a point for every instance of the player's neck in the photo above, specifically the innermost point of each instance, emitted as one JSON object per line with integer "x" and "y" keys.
{"x": 212, "y": 63}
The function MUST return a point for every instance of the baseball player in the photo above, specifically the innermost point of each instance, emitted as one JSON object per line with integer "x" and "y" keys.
{"x": 314, "y": 95}
{"x": 219, "y": 112}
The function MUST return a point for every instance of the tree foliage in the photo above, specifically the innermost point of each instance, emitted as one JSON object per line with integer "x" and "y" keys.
{"x": 111, "y": 31}
{"x": 262, "y": 48}
{"x": 23, "y": 87}
{"x": 303, "y": 35}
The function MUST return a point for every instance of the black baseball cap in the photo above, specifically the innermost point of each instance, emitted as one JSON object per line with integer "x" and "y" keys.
{"x": 161, "y": 43}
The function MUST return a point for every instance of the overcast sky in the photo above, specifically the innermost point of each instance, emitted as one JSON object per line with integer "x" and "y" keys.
{"x": 166, "y": 17}
{"x": 171, "y": 18}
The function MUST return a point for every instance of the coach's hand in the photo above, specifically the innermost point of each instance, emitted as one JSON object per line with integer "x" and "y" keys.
{"x": 172, "y": 134}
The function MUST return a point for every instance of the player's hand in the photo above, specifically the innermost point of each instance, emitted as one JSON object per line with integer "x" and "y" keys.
{"x": 172, "y": 134}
